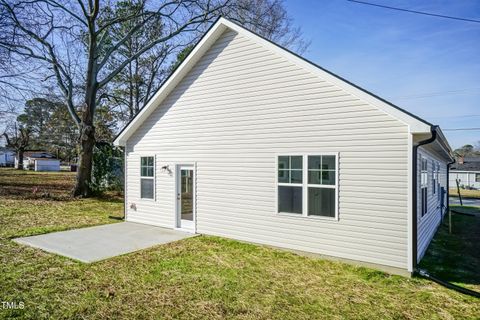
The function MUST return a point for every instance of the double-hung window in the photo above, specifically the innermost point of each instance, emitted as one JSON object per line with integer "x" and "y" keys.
{"x": 307, "y": 185}
{"x": 290, "y": 184}
{"x": 477, "y": 177}
{"x": 321, "y": 185}
{"x": 147, "y": 177}
{"x": 424, "y": 184}
{"x": 434, "y": 177}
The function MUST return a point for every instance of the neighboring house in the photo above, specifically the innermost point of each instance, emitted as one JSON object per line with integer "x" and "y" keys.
{"x": 467, "y": 171}
{"x": 7, "y": 157}
{"x": 39, "y": 161}
{"x": 249, "y": 141}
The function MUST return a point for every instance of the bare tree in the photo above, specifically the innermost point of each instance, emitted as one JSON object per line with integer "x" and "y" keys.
{"x": 18, "y": 138}
{"x": 71, "y": 43}
{"x": 133, "y": 87}
{"x": 270, "y": 19}
{"x": 85, "y": 45}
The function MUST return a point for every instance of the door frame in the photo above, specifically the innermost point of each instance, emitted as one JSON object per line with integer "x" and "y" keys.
{"x": 178, "y": 222}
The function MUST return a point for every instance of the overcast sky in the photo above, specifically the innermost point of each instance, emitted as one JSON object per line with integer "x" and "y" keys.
{"x": 427, "y": 65}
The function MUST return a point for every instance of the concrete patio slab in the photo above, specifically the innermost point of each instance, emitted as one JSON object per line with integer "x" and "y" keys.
{"x": 102, "y": 242}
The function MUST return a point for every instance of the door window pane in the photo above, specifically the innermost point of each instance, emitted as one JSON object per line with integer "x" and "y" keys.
{"x": 186, "y": 195}
{"x": 321, "y": 202}
{"x": 290, "y": 199}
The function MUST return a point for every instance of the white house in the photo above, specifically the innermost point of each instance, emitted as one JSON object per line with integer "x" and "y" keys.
{"x": 39, "y": 161}
{"x": 249, "y": 141}
{"x": 467, "y": 171}
{"x": 7, "y": 157}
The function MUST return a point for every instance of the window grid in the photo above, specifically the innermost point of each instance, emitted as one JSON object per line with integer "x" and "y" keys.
{"x": 424, "y": 184}
{"x": 289, "y": 171}
{"x": 147, "y": 177}
{"x": 307, "y": 187}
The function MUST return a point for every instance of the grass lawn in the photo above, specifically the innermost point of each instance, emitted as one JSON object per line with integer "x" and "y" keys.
{"x": 197, "y": 278}
{"x": 465, "y": 193}
{"x": 455, "y": 257}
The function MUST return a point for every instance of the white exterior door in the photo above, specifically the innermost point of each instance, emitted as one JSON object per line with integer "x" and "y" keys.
{"x": 185, "y": 195}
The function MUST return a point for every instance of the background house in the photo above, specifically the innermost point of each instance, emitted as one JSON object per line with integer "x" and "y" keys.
{"x": 467, "y": 171}
{"x": 39, "y": 161}
{"x": 7, "y": 157}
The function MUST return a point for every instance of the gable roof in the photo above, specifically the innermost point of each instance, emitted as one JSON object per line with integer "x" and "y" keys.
{"x": 469, "y": 164}
{"x": 39, "y": 154}
{"x": 415, "y": 124}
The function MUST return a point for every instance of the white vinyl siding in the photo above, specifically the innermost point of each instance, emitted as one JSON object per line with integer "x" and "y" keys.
{"x": 233, "y": 113}
{"x": 467, "y": 179}
{"x": 428, "y": 223}
{"x": 46, "y": 165}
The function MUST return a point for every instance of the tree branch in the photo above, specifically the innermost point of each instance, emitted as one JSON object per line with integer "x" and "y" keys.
{"x": 53, "y": 60}
{"x": 196, "y": 20}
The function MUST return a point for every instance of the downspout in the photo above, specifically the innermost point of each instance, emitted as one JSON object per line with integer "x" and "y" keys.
{"x": 433, "y": 131}
{"x": 125, "y": 204}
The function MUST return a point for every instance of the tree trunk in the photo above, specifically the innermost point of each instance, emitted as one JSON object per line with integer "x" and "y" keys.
{"x": 87, "y": 130}
{"x": 85, "y": 155}
{"x": 20, "y": 159}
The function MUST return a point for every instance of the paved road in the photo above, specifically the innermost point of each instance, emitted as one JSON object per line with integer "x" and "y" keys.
{"x": 466, "y": 202}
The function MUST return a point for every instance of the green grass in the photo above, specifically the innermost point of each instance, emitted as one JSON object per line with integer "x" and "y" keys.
{"x": 474, "y": 194}
{"x": 455, "y": 256}
{"x": 197, "y": 278}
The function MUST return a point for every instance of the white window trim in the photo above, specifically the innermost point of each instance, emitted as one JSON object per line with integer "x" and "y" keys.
{"x": 154, "y": 178}
{"x": 305, "y": 186}
{"x": 439, "y": 184}
{"x": 177, "y": 165}
{"x": 423, "y": 185}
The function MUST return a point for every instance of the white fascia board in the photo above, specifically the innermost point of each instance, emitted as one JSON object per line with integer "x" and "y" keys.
{"x": 205, "y": 43}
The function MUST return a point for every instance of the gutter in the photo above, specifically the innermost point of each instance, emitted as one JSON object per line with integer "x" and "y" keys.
{"x": 433, "y": 131}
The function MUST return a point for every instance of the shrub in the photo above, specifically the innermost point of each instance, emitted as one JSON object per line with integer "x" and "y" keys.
{"x": 107, "y": 171}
